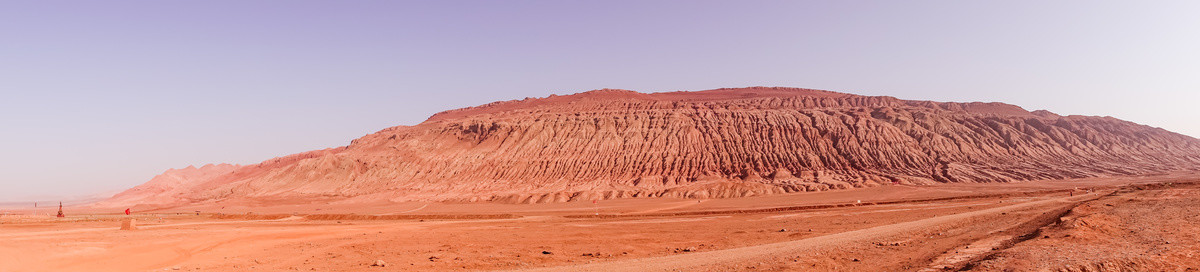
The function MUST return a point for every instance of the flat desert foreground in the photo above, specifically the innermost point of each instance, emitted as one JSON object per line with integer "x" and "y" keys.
{"x": 1113, "y": 224}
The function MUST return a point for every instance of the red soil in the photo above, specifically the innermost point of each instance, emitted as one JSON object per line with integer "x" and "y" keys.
{"x": 903, "y": 231}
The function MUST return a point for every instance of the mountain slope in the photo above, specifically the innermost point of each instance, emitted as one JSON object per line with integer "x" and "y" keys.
{"x": 716, "y": 143}
{"x": 173, "y": 184}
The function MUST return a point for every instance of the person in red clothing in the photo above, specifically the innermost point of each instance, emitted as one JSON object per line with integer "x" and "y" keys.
{"x": 126, "y": 211}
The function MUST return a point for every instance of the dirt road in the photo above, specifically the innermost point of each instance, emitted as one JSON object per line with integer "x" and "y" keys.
{"x": 704, "y": 259}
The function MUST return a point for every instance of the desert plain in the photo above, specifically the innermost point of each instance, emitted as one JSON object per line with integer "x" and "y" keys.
{"x": 1094, "y": 224}
{"x": 859, "y": 136}
{"x": 740, "y": 179}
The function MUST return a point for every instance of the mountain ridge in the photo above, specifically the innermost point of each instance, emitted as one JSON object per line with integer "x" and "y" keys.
{"x": 729, "y": 142}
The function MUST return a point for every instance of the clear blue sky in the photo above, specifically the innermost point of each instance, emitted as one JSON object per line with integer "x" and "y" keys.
{"x": 99, "y": 96}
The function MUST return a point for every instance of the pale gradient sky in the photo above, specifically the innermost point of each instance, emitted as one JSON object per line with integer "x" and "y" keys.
{"x": 99, "y": 96}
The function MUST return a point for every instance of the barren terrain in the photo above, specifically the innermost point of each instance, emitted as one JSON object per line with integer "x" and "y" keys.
{"x": 887, "y": 228}
{"x": 611, "y": 180}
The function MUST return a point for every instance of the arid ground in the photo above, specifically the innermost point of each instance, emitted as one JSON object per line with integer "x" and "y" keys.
{"x": 1145, "y": 223}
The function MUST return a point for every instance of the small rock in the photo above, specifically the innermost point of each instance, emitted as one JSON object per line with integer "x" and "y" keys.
{"x": 379, "y": 263}
{"x": 547, "y": 252}
{"x": 782, "y": 230}
{"x": 854, "y": 260}
{"x": 129, "y": 224}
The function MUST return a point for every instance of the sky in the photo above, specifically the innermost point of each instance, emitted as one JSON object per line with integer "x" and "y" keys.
{"x": 99, "y": 96}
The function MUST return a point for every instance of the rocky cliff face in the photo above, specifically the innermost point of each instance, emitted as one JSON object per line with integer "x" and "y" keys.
{"x": 716, "y": 143}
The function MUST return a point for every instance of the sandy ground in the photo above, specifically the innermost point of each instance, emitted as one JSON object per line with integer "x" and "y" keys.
{"x": 890, "y": 228}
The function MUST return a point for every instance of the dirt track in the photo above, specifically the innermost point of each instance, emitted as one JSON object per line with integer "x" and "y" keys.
{"x": 705, "y": 259}
{"x": 1135, "y": 230}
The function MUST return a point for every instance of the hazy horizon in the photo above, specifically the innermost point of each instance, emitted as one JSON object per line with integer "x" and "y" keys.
{"x": 100, "y": 97}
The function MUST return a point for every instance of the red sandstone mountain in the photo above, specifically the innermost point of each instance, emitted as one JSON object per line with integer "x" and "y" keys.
{"x": 717, "y": 143}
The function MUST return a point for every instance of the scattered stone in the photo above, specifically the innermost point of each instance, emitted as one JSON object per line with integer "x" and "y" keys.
{"x": 854, "y": 260}
{"x": 687, "y": 249}
{"x": 782, "y": 230}
{"x": 379, "y": 263}
{"x": 547, "y": 252}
